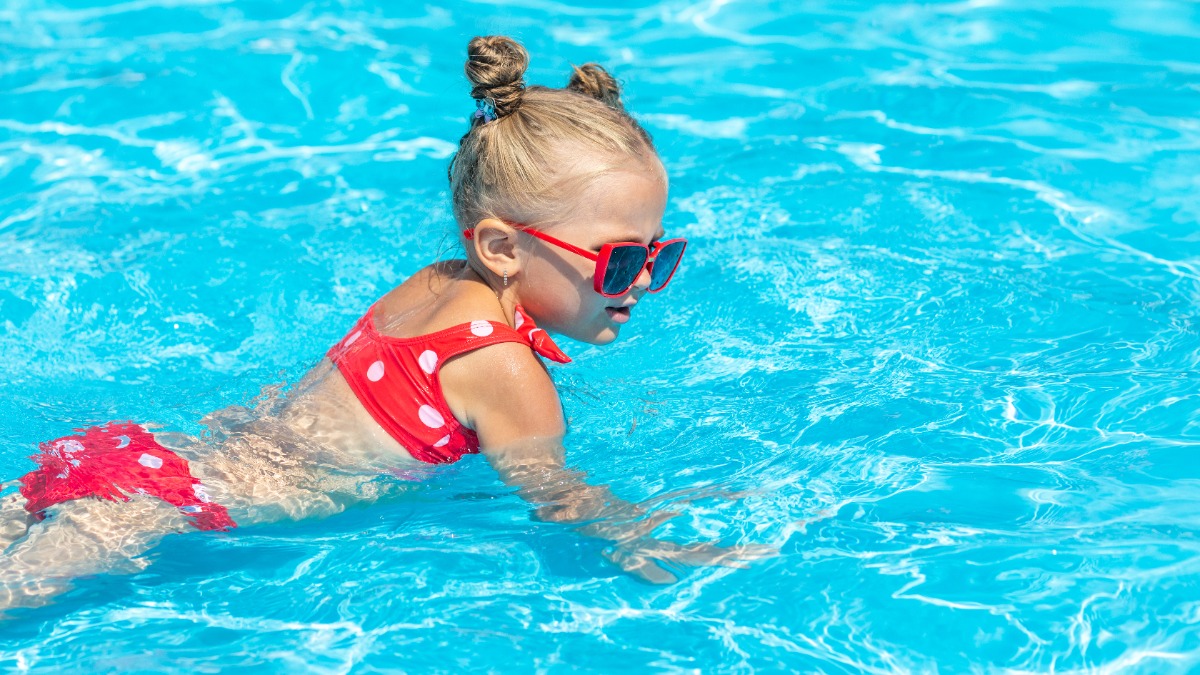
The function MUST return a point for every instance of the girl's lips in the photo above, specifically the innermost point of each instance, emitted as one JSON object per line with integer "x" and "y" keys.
{"x": 618, "y": 314}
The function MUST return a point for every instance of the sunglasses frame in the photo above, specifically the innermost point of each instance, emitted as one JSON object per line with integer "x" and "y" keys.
{"x": 605, "y": 255}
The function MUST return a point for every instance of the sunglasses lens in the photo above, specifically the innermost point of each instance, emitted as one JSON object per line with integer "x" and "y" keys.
{"x": 665, "y": 262}
{"x": 625, "y": 263}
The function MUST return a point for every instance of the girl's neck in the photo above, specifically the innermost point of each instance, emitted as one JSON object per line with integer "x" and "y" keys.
{"x": 505, "y": 295}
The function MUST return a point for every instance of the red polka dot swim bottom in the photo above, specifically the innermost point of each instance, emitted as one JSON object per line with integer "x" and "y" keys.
{"x": 114, "y": 461}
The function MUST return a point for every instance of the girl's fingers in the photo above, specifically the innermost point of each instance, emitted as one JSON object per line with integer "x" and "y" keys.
{"x": 640, "y": 558}
{"x": 754, "y": 551}
{"x": 639, "y": 566}
{"x": 699, "y": 555}
{"x": 650, "y": 523}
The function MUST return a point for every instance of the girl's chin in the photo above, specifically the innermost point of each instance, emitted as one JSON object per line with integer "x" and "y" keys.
{"x": 600, "y": 331}
{"x": 603, "y": 336}
{"x": 607, "y": 335}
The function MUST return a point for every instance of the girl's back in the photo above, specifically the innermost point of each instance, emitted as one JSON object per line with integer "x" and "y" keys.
{"x": 321, "y": 425}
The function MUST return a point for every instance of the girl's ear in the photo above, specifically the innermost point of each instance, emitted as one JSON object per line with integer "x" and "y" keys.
{"x": 495, "y": 245}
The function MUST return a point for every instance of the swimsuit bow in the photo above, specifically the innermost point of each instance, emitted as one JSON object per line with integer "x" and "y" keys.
{"x": 537, "y": 338}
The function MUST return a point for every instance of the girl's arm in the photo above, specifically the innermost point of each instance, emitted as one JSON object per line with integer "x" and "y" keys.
{"x": 514, "y": 408}
{"x": 534, "y": 466}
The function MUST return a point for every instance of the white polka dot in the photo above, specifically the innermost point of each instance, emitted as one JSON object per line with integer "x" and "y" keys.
{"x": 122, "y": 441}
{"x": 481, "y": 328}
{"x": 201, "y": 493}
{"x": 442, "y": 441}
{"x": 68, "y": 447}
{"x": 428, "y": 361}
{"x": 150, "y": 461}
{"x": 350, "y": 340}
{"x": 530, "y": 336}
{"x": 430, "y": 417}
{"x": 519, "y": 320}
{"x": 375, "y": 372}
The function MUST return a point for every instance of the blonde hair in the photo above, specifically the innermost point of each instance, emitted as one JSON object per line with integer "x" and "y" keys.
{"x": 541, "y": 142}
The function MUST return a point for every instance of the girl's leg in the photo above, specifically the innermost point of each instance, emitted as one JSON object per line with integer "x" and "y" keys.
{"x": 14, "y": 520}
{"x": 79, "y": 538}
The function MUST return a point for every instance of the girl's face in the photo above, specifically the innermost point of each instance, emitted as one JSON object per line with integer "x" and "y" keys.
{"x": 557, "y": 287}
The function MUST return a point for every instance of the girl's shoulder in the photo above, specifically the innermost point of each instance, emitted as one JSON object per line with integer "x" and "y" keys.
{"x": 504, "y": 394}
{"x": 501, "y": 391}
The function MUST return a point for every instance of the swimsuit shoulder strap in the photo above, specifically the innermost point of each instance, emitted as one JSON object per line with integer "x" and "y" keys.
{"x": 462, "y": 338}
{"x": 477, "y": 334}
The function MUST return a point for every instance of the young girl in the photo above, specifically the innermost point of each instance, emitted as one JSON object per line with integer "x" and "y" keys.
{"x": 558, "y": 196}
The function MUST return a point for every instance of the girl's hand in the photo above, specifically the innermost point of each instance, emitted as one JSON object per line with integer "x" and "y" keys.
{"x": 535, "y": 466}
{"x": 643, "y": 558}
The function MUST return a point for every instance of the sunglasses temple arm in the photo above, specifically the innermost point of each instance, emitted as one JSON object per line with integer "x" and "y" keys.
{"x": 562, "y": 244}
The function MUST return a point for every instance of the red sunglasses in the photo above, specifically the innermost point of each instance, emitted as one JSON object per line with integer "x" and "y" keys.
{"x": 619, "y": 265}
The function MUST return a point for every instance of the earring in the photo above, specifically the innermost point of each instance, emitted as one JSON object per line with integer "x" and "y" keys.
{"x": 506, "y": 278}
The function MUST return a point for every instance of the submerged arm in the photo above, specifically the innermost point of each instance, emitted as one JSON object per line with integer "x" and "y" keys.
{"x": 514, "y": 408}
{"x": 535, "y": 467}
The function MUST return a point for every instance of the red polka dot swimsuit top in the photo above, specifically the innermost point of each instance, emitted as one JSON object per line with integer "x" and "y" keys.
{"x": 396, "y": 379}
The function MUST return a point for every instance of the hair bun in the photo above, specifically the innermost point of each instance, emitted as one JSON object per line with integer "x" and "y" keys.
{"x": 592, "y": 79}
{"x": 496, "y": 69}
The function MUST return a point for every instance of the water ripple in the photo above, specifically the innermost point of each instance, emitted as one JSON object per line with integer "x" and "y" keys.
{"x": 936, "y": 339}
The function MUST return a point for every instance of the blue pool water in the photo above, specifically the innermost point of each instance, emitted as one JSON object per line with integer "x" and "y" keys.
{"x": 937, "y": 339}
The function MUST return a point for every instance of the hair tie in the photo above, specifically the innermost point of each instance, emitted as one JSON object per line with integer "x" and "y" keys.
{"x": 484, "y": 110}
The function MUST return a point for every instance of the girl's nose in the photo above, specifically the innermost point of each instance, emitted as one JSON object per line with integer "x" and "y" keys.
{"x": 643, "y": 278}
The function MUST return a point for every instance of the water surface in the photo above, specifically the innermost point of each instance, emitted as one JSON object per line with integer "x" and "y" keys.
{"x": 939, "y": 324}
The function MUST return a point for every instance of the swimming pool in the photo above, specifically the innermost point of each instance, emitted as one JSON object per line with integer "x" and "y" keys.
{"x": 937, "y": 339}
